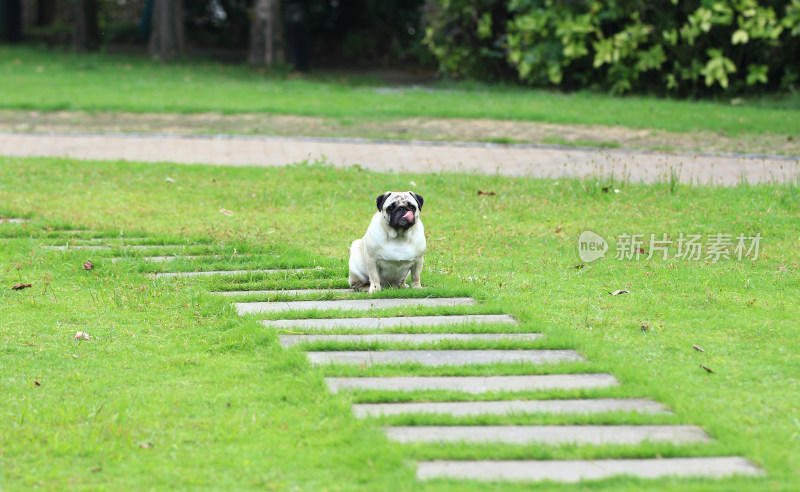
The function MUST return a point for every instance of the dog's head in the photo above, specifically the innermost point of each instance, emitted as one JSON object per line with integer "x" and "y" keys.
{"x": 399, "y": 210}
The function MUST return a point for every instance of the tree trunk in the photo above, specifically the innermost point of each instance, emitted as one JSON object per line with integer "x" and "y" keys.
{"x": 45, "y": 12}
{"x": 266, "y": 34}
{"x": 167, "y": 37}
{"x": 11, "y": 16}
{"x": 85, "y": 30}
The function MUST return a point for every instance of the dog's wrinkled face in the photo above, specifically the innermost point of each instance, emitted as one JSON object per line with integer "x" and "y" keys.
{"x": 399, "y": 209}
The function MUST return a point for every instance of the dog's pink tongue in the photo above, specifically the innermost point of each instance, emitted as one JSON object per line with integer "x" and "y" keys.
{"x": 409, "y": 216}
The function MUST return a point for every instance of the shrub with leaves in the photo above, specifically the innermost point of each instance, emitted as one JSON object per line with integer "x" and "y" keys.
{"x": 682, "y": 47}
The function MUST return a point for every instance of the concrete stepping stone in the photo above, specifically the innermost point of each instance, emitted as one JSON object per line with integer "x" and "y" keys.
{"x": 287, "y": 292}
{"x": 13, "y": 221}
{"x": 570, "y": 471}
{"x": 290, "y": 340}
{"x": 444, "y": 357}
{"x": 134, "y": 247}
{"x": 162, "y": 259}
{"x": 548, "y": 434}
{"x": 351, "y": 304}
{"x": 68, "y": 247}
{"x": 471, "y": 408}
{"x": 152, "y": 246}
{"x": 226, "y": 272}
{"x": 391, "y": 322}
{"x": 474, "y": 384}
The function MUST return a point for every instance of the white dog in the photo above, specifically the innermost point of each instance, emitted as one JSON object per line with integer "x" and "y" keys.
{"x": 393, "y": 245}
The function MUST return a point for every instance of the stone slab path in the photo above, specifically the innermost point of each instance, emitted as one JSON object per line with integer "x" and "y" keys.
{"x": 511, "y": 407}
{"x": 134, "y": 247}
{"x": 414, "y": 338}
{"x": 415, "y": 157}
{"x": 70, "y": 247}
{"x": 435, "y": 358}
{"x": 386, "y": 323}
{"x": 13, "y": 221}
{"x": 163, "y": 259}
{"x": 285, "y": 292}
{"x": 350, "y": 304}
{"x": 473, "y": 384}
{"x": 546, "y": 435}
{"x": 226, "y": 272}
{"x": 570, "y": 471}
{"x": 549, "y": 434}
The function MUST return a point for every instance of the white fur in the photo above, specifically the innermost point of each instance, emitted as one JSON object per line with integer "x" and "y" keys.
{"x": 385, "y": 256}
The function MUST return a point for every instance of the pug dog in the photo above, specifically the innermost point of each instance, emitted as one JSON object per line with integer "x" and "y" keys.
{"x": 393, "y": 245}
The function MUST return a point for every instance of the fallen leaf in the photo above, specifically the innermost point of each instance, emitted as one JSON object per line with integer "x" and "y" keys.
{"x": 88, "y": 265}
{"x": 225, "y": 211}
{"x": 706, "y": 368}
{"x": 781, "y": 268}
{"x": 37, "y": 383}
{"x": 619, "y": 292}
{"x": 95, "y": 470}
{"x": 170, "y": 180}
{"x": 145, "y": 445}
{"x": 698, "y": 348}
{"x": 487, "y": 193}
{"x": 20, "y": 286}
{"x": 645, "y": 327}
{"x": 641, "y": 250}
{"x": 559, "y": 229}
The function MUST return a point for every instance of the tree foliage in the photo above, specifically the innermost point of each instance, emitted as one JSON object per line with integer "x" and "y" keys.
{"x": 668, "y": 46}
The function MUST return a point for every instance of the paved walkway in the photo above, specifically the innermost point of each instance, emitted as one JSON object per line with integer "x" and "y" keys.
{"x": 416, "y": 157}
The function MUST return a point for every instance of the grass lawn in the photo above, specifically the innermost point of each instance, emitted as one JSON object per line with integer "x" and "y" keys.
{"x": 43, "y": 80}
{"x": 175, "y": 391}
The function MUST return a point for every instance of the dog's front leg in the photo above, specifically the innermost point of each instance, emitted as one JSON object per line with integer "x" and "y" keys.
{"x": 416, "y": 272}
{"x": 374, "y": 278}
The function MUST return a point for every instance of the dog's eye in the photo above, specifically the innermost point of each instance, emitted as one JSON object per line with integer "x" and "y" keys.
{"x": 390, "y": 208}
{"x": 413, "y": 208}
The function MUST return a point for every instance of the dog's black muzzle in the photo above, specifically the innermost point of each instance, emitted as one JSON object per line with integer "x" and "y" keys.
{"x": 402, "y": 217}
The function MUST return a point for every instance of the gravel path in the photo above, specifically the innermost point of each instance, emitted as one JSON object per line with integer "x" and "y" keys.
{"x": 415, "y": 157}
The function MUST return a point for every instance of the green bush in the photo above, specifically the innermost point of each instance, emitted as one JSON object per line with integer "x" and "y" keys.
{"x": 682, "y": 47}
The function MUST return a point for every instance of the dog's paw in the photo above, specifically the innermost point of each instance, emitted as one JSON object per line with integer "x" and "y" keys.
{"x": 373, "y": 288}
{"x": 403, "y": 285}
{"x": 416, "y": 285}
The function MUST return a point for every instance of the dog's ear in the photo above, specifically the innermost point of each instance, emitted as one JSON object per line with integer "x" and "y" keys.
{"x": 418, "y": 198}
{"x": 382, "y": 198}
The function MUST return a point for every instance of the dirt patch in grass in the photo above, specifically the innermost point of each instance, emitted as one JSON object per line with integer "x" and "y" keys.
{"x": 436, "y": 129}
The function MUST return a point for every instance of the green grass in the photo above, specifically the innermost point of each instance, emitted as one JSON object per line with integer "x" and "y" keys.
{"x": 44, "y": 80}
{"x": 176, "y": 391}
